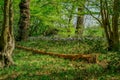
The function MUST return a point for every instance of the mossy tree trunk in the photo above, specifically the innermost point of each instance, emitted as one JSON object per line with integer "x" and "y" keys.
{"x": 80, "y": 18}
{"x": 24, "y": 20}
{"x": 115, "y": 18}
{"x": 111, "y": 30}
{"x": 7, "y": 38}
{"x": 79, "y": 26}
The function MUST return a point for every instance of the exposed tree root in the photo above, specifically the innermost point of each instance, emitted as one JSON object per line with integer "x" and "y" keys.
{"x": 87, "y": 57}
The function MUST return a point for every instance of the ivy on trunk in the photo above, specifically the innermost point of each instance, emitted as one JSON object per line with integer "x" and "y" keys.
{"x": 7, "y": 39}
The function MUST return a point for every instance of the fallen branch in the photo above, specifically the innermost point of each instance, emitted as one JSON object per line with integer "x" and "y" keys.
{"x": 88, "y": 57}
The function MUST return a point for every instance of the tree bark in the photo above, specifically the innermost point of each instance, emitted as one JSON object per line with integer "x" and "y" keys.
{"x": 24, "y": 20}
{"x": 115, "y": 18}
{"x": 79, "y": 26}
{"x": 7, "y": 38}
{"x": 111, "y": 31}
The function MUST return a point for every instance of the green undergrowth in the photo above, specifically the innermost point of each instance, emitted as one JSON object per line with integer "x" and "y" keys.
{"x": 69, "y": 47}
{"x": 31, "y": 66}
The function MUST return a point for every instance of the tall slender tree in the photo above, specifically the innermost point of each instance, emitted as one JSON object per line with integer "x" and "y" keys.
{"x": 79, "y": 26}
{"x": 7, "y": 39}
{"x": 80, "y": 17}
{"x": 24, "y": 20}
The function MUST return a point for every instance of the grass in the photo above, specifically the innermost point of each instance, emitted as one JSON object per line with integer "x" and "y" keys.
{"x": 32, "y": 66}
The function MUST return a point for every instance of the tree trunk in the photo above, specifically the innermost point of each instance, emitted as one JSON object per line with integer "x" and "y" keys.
{"x": 115, "y": 18}
{"x": 111, "y": 31}
{"x": 24, "y": 20}
{"x": 7, "y": 38}
{"x": 79, "y": 26}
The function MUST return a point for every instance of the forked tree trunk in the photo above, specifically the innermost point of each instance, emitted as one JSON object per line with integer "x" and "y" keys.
{"x": 24, "y": 20}
{"x": 7, "y": 38}
{"x": 111, "y": 31}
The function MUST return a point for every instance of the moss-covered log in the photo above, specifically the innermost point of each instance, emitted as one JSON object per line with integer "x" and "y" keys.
{"x": 88, "y": 57}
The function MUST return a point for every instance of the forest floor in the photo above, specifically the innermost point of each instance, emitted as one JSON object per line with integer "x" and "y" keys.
{"x": 31, "y": 66}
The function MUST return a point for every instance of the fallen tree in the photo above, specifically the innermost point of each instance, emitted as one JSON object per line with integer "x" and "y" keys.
{"x": 90, "y": 58}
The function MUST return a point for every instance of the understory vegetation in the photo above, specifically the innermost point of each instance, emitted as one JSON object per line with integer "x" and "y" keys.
{"x": 32, "y": 66}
